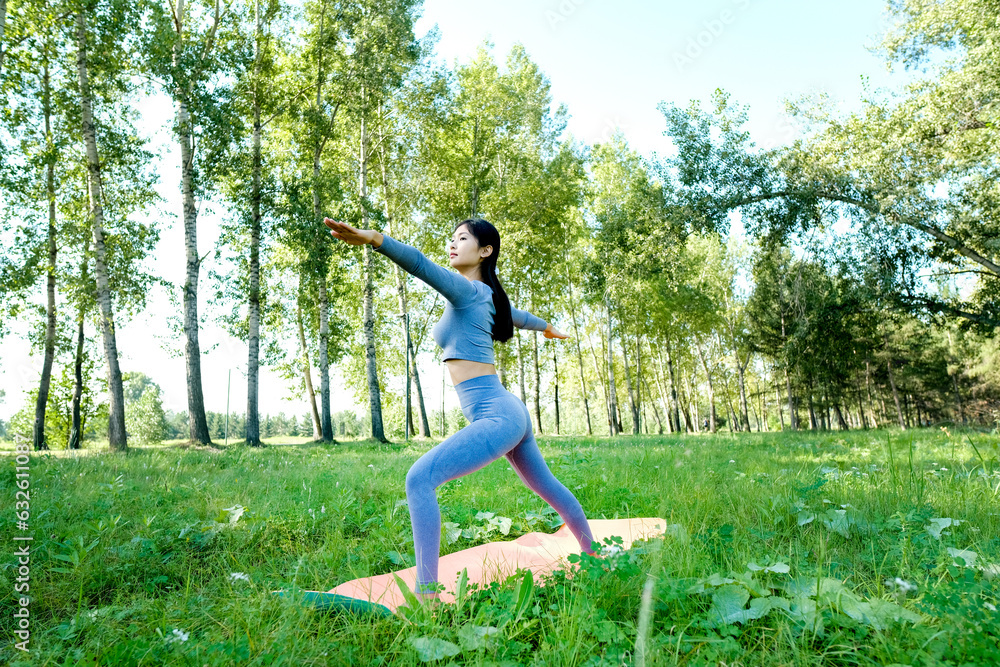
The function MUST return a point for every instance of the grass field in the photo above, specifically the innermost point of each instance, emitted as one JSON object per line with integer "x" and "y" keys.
{"x": 860, "y": 548}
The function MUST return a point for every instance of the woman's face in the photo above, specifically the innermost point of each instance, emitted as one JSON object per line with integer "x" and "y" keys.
{"x": 464, "y": 251}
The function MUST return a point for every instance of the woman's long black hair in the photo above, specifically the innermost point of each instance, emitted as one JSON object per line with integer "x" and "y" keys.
{"x": 486, "y": 234}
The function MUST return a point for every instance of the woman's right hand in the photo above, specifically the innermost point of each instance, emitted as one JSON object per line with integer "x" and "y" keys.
{"x": 348, "y": 234}
{"x": 550, "y": 332}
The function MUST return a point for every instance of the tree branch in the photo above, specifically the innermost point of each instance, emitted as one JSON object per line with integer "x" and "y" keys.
{"x": 940, "y": 307}
{"x": 16, "y": 43}
{"x": 297, "y": 95}
{"x": 210, "y": 38}
{"x": 959, "y": 273}
{"x": 173, "y": 14}
{"x": 333, "y": 117}
{"x": 974, "y": 124}
{"x": 877, "y": 209}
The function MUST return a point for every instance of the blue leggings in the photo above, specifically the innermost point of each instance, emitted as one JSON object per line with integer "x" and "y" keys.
{"x": 499, "y": 426}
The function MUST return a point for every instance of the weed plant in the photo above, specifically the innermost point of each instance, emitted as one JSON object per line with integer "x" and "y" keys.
{"x": 860, "y": 548}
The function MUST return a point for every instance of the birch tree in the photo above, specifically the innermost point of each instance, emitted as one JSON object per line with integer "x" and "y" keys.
{"x": 384, "y": 49}
{"x": 117, "y": 437}
{"x": 323, "y": 64}
{"x": 256, "y": 102}
{"x": 3, "y": 25}
{"x": 31, "y": 178}
{"x": 185, "y": 50}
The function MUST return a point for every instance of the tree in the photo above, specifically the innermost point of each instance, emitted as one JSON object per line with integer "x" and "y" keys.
{"x": 255, "y": 105}
{"x": 84, "y": 297}
{"x": 145, "y": 419}
{"x": 67, "y": 408}
{"x": 50, "y": 332}
{"x": 632, "y": 254}
{"x": 917, "y": 174}
{"x": 259, "y": 86}
{"x": 312, "y": 184}
{"x": 735, "y": 330}
{"x": 403, "y": 123}
{"x": 43, "y": 83}
{"x": 186, "y": 50}
{"x": 384, "y": 49}
{"x": 117, "y": 436}
{"x": 772, "y": 316}
{"x": 176, "y": 425}
{"x": 31, "y": 176}
{"x": 3, "y": 24}
{"x": 710, "y": 289}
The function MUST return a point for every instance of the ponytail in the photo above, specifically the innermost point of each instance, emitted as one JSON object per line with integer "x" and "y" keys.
{"x": 486, "y": 234}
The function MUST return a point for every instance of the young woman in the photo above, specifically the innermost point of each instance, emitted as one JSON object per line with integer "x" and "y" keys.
{"x": 477, "y": 312}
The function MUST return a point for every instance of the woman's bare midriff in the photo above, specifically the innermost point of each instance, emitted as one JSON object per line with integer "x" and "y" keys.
{"x": 463, "y": 369}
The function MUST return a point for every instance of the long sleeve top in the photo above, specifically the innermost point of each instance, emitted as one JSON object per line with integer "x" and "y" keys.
{"x": 465, "y": 331}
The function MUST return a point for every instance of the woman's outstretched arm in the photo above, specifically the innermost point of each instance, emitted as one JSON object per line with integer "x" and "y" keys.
{"x": 524, "y": 320}
{"x": 453, "y": 286}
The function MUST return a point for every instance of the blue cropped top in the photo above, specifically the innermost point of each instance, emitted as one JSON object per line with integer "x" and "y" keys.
{"x": 465, "y": 331}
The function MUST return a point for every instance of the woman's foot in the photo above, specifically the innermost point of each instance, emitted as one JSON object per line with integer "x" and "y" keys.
{"x": 430, "y": 601}
{"x": 428, "y": 604}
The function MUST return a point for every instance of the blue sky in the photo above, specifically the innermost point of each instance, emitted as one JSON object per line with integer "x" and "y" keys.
{"x": 610, "y": 63}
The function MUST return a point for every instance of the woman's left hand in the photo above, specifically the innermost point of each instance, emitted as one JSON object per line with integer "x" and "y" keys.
{"x": 553, "y": 333}
{"x": 348, "y": 234}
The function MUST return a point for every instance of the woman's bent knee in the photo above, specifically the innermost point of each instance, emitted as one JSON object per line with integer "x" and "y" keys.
{"x": 418, "y": 477}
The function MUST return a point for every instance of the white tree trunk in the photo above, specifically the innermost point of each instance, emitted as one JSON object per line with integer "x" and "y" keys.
{"x": 324, "y": 359}
{"x": 711, "y": 389}
{"x": 307, "y": 370}
{"x": 76, "y": 425}
{"x": 3, "y": 23}
{"x": 253, "y": 307}
{"x": 612, "y": 394}
{"x": 633, "y": 404}
{"x": 661, "y": 385}
{"x": 538, "y": 381}
{"x": 601, "y": 376}
{"x": 371, "y": 361}
{"x": 326, "y": 419}
{"x": 674, "y": 400}
{"x": 117, "y": 438}
{"x": 425, "y": 428}
{"x": 197, "y": 422}
{"x": 50, "y": 283}
{"x": 579, "y": 358}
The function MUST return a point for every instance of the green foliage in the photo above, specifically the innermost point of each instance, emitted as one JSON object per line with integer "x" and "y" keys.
{"x": 907, "y": 172}
{"x": 145, "y": 419}
{"x": 59, "y": 408}
{"x": 346, "y": 425}
{"x": 966, "y": 604}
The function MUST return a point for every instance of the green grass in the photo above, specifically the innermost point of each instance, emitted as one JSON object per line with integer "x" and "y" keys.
{"x": 133, "y": 555}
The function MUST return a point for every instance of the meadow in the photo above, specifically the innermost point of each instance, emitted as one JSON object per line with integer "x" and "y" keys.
{"x": 837, "y": 548}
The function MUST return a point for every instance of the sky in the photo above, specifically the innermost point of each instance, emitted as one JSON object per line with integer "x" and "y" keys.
{"x": 610, "y": 63}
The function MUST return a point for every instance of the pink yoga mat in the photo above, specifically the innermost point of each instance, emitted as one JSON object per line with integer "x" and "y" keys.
{"x": 539, "y": 552}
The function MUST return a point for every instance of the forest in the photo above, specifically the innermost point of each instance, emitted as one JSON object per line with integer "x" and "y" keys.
{"x": 849, "y": 279}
